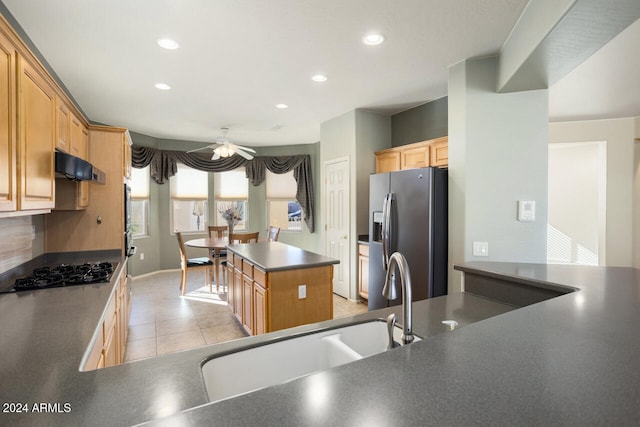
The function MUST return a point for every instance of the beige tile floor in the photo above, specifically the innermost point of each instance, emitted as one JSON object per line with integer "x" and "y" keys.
{"x": 164, "y": 322}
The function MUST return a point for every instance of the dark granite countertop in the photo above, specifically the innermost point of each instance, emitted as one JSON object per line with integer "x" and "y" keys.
{"x": 274, "y": 256}
{"x": 569, "y": 360}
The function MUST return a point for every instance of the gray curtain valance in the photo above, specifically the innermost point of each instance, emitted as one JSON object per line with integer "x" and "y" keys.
{"x": 163, "y": 166}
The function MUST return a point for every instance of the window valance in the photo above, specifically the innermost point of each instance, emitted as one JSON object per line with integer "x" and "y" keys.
{"x": 163, "y": 166}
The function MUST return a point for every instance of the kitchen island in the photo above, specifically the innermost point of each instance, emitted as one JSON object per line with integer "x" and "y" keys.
{"x": 568, "y": 360}
{"x": 274, "y": 286}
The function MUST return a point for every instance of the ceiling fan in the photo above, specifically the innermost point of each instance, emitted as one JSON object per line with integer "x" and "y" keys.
{"x": 223, "y": 147}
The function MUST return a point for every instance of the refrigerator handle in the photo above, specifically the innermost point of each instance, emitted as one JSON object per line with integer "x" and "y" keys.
{"x": 386, "y": 229}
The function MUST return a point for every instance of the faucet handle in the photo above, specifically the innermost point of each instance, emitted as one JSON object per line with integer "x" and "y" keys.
{"x": 391, "y": 324}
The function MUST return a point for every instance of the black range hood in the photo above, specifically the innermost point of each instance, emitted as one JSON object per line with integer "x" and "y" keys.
{"x": 76, "y": 169}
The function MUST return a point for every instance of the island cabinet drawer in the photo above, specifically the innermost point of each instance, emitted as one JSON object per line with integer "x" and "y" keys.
{"x": 230, "y": 258}
{"x": 260, "y": 277}
{"x": 247, "y": 268}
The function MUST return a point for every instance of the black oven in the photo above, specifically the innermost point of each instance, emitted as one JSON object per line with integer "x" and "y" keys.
{"x": 129, "y": 249}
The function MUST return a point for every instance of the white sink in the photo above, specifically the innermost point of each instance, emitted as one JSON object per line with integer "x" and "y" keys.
{"x": 270, "y": 364}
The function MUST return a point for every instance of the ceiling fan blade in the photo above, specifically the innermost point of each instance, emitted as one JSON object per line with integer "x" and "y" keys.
{"x": 243, "y": 154}
{"x": 212, "y": 146}
{"x": 240, "y": 147}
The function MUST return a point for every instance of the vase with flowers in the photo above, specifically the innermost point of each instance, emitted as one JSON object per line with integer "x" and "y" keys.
{"x": 231, "y": 214}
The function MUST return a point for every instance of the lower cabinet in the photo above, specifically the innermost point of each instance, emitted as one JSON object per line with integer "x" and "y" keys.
{"x": 247, "y": 303}
{"x": 363, "y": 270}
{"x": 259, "y": 309}
{"x": 110, "y": 338}
{"x": 269, "y": 301}
{"x": 237, "y": 293}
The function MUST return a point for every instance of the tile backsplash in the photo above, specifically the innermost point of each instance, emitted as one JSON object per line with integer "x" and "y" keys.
{"x": 15, "y": 242}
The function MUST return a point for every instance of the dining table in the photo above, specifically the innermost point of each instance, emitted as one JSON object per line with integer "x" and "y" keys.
{"x": 215, "y": 245}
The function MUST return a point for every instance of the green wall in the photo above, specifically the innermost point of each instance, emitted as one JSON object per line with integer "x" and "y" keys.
{"x": 426, "y": 121}
{"x": 160, "y": 248}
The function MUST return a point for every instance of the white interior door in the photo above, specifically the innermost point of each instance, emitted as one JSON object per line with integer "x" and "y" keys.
{"x": 337, "y": 214}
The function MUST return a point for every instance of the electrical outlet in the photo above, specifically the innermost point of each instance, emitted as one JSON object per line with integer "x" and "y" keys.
{"x": 33, "y": 232}
{"x": 302, "y": 291}
{"x": 141, "y": 256}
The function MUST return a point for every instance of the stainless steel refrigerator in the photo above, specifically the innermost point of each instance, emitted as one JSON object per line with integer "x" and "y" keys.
{"x": 408, "y": 214}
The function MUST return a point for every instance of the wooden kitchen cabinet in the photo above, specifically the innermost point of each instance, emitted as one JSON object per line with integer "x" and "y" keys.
{"x": 439, "y": 152}
{"x": 237, "y": 290}
{"x": 35, "y": 118}
{"x": 72, "y": 195}
{"x": 110, "y": 338}
{"x": 247, "y": 303}
{"x": 36, "y": 138}
{"x": 100, "y": 226}
{"x": 63, "y": 126}
{"x": 434, "y": 152}
{"x": 260, "y": 309}
{"x": 110, "y": 350}
{"x": 79, "y": 138}
{"x": 267, "y": 301}
{"x": 230, "y": 293}
{"x": 412, "y": 158}
{"x": 8, "y": 166}
{"x": 363, "y": 270}
{"x": 387, "y": 161}
{"x": 126, "y": 155}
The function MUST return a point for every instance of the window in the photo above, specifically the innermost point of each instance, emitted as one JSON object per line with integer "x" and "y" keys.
{"x": 189, "y": 193}
{"x": 282, "y": 208}
{"x": 232, "y": 190}
{"x": 140, "y": 202}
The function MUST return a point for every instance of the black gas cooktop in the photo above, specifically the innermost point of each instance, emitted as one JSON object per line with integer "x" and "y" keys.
{"x": 64, "y": 275}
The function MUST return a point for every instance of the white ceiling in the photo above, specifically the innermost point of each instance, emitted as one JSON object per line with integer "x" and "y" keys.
{"x": 238, "y": 58}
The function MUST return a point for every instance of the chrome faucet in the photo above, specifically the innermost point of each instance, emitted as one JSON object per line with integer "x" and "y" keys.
{"x": 389, "y": 291}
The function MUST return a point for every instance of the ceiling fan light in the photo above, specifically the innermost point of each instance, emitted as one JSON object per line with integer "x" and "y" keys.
{"x": 373, "y": 39}
{"x": 168, "y": 44}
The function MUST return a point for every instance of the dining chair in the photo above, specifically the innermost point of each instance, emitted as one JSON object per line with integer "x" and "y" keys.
{"x": 218, "y": 231}
{"x": 244, "y": 237}
{"x": 202, "y": 263}
{"x": 273, "y": 233}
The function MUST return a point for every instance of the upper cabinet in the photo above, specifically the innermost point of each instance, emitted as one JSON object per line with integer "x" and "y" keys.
{"x": 36, "y": 118}
{"x": 72, "y": 136}
{"x": 36, "y": 138}
{"x": 79, "y": 138}
{"x": 63, "y": 126}
{"x": 434, "y": 152}
{"x": 8, "y": 167}
{"x": 126, "y": 155}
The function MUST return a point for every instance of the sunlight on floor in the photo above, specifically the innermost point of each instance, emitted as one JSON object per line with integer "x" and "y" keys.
{"x": 163, "y": 322}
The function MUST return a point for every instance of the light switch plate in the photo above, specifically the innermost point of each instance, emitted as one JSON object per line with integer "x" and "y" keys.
{"x": 480, "y": 248}
{"x": 526, "y": 210}
{"x": 302, "y": 291}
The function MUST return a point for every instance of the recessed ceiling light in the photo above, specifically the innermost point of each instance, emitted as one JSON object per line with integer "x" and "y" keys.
{"x": 168, "y": 44}
{"x": 319, "y": 78}
{"x": 162, "y": 86}
{"x": 373, "y": 39}
{"x": 282, "y": 106}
